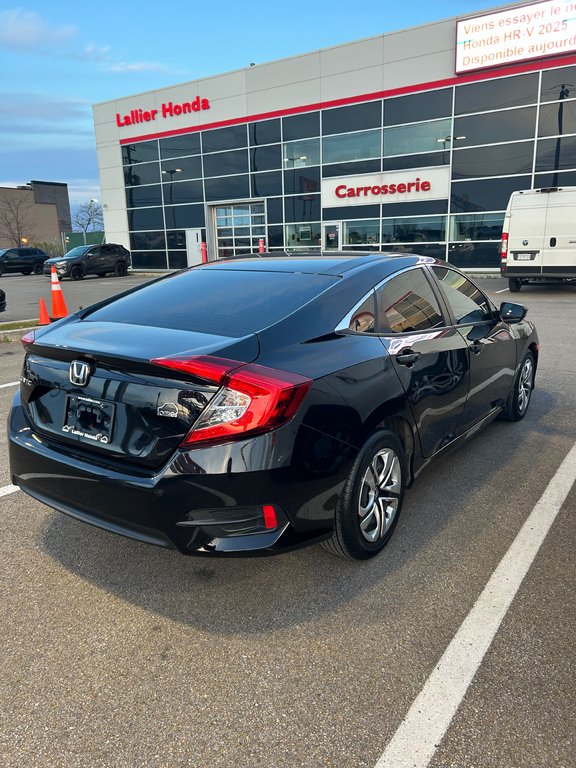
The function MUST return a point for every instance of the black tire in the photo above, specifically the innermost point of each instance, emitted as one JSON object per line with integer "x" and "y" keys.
{"x": 1, "y": 270}
{"x": 26, "y": 271}
{"x": 514, "y": 284}
{"x": 121, "y": 269}
{"x": 521, "y": 393}
{"x": 371, "y": 500}
{"x": 76, "y": 272}
{"x": 38, "y": 268}
{"x": 101, "y": 274}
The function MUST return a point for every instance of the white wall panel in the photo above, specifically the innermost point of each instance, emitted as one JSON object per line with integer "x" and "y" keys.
{"x": 359, "y": 55}
{"x": 280, "y": 73}
{"x": 353, "y": 83}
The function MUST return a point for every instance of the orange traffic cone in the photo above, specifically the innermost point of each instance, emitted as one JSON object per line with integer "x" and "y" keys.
{"x": 44, "y": 317}
{"x": 58, "y": 304}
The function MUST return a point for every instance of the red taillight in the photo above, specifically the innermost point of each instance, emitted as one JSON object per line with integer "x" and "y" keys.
{"x": 28, "y": 338}
{"x": 252, "y": 398}
{"x": 504, "y": 253}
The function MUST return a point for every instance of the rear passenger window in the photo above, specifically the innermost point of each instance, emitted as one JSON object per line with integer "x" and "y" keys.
{"x": 363, "y": 320}
{"x": 468, "y": 303}
{"x": 407, "y": 303}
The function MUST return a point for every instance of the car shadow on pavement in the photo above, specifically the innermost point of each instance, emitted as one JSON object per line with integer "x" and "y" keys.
{"x": 256, "y": 595}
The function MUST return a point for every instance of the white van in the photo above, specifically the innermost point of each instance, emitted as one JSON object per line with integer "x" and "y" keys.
{"x": 539, "y": 236}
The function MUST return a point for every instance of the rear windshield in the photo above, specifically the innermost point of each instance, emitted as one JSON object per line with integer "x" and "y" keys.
{"x": 217, "y": 301}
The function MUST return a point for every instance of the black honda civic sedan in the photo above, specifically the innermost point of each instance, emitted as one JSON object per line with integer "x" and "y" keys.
{"x": 257, "y": 405}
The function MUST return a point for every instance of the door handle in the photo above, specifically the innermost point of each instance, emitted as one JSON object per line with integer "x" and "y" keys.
{"x": 552, "y": 242}
{"x": 408, "y": 357}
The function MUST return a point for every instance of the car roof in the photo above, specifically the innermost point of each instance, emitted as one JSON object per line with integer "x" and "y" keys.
{"x": 335, "y": 263}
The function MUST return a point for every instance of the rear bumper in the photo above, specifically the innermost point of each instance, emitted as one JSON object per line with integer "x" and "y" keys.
{"x": 181, "y": 506}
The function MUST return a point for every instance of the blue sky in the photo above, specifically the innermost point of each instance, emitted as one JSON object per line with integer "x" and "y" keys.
{"x": 58, "y": 59}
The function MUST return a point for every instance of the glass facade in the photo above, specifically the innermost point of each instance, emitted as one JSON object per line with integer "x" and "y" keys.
{"x": 263, "y": 179}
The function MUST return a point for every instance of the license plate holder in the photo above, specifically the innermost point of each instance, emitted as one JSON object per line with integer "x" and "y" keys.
{"x": 524, "y": 256}
{"x": 88, "y": 419}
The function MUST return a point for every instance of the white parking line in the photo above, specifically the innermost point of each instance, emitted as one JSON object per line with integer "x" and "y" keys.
{"x": 8, "y": 489}
{"x": 502, "y": 291}
{"x": 415, "y": 742}
{"x": 10, "y": 384}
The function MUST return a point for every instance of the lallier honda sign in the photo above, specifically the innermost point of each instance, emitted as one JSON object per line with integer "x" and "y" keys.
{"x": 388, "y": 187}
{"x": 518, "y": 34}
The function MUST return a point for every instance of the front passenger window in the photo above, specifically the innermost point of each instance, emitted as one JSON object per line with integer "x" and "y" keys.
{"x": 467, "y": 302}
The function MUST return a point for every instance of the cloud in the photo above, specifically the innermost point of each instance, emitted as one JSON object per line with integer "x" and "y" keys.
{"x": 34, "y": 108}
{"x": 137, "y": 66}
{"x": 26, "y": 30}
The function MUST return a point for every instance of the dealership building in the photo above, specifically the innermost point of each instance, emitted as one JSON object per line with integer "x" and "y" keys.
{"x": 407, "y": 141}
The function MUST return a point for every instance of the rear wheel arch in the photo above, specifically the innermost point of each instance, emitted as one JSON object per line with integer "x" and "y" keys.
{"x": 397, "y": 421}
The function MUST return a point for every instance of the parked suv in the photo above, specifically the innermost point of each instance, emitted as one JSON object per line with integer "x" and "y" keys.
{"x": 91, "y": 260}
{"x": 25, "y": 260}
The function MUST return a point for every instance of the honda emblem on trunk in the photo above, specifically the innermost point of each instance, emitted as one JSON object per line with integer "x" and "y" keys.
{"x": 79, "y": 373}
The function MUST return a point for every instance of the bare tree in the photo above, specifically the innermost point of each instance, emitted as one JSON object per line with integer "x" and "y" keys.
{"x": 88, "y": 216}
{"x": 16, "y": 220}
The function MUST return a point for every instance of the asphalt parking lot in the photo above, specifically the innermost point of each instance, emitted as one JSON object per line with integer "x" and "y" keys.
{"x": 115, "y": 653}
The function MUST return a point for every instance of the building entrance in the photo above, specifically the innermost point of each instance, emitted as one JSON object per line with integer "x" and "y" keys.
{"x": 238, "y": 228}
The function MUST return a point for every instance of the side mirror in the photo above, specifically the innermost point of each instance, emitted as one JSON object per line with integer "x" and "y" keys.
{"x": 512, "y": 313}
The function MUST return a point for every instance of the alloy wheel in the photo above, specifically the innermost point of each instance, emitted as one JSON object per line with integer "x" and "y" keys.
{"x": 525, "y": 384}
{"x": 379, "y": 495}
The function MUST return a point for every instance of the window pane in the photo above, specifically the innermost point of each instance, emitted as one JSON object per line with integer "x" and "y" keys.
{"x": 265, "y": 184}
{"x": 183, "y": 192}
{"x": 266, "y": 158}
{"x": 224, "y": 138}
{"x": 422, "y": 208}
{"x": 302, "y": 235}
{"x": 425, "y": 137}
{"x": 185, "y": 168}
{"x": 468, "y": 304}
{"x": 184, "y": 216}
{"x": 361, "y": 232}
{"x": 486, "y": 194}
{"x": 355, "y": 118}
{"x": 228, "y": 188}
{"x": 275, "y": 210}
{"x": 186, "y": 302}
{"x": 556, "y": 154}
{"x": 511, "y": 125}
{"x": 484, "y": 255}
{"x": 177, "y": 146}
{"x": 264, "y": 132}
{"x": 142, "y": 241}
{"x": 356, "y": 211}
{"x": 303, "y": 208}
{"x": 565, "y": 179}
{"x": 418, "y": 229}
{"x": 557, "y": 119}
{"x": 407, "y": 303}
{"x": 301, "y": 153}
{"x": 177, "y": 260}
{"x": 355, "y": 146}
{"x": 144, "y": 173}
{"x": 226, "y": 163}
{"x": 141, "y": 152}
{"x": 302, "y": 180}
{"x": 496, "y": 94}
{"x": 418, "y": 106}
{"x": 149, "y": 259}
{"x": 485, "y": 226}
{"x": 553, "y": 81}
{"x": 347, "y": 169}
{"x": 404, "y": 162}
{"x": 275, "y": 237}
{"x": 147, "y": 218}
{"x": 176, "y": 239}
{"x": 137, "y": 197}
{"x": 363, "y": 320}
{"x": 301, "y": 126}
{"x": 492, "y": 161}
